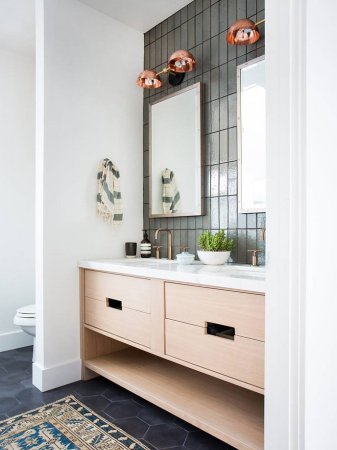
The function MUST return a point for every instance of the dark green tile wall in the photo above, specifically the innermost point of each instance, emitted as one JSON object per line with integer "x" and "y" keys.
{"x": 201, "y": 27}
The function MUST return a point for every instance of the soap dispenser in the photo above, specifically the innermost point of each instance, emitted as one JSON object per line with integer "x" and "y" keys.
{"x": 145, "y": 246}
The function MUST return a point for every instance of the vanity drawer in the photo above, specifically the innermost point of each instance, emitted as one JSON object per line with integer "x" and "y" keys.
{"x": 134, "y": 293}
{"x": 126, "y": 323}
{"x": 198, "y": 305}
{"x": 241, "y": 358}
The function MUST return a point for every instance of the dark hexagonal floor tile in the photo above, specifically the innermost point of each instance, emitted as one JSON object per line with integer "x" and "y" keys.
{"x": 58, "y": 393}
{"x": 123, "y": 409}
{"x": 24, "y": 407}
{"x": 8, "y": 403}
{"x": 198, "y": 440}
{"x": 28, "y": 349}
{"x": 14, "y": 377}
{"x": 27, "y": 382}
{"x": 7, "y": 356}
{"x": 117, "y": 393}
{"x": 16, "y": 366}
{"x": 178, "y": 448}
{"x": 142, "y": 401}
{"x": 134, "y": 426}
{"x": 10, "y": 390}
{"x": 166, "y": 435}
{"x": 91, "y": 387}
{"x": 185, "y": 425}
{"x": 24, "y": 354}
{"x": 96, "y": 402}
{"x": 30, "y": 395}
{"x": 155, "y": 416}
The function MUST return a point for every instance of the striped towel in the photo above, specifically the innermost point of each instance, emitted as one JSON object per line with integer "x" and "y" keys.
{"x": 170, "y": 194}
{"x": 109, "y": 198}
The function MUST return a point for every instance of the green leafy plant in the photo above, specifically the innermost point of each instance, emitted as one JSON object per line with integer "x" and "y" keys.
{"x": 217, "y": 242}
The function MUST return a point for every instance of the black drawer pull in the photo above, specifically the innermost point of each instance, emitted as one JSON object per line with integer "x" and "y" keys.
{"x": 115, "y": 304}
{"x": 223, "y": 331}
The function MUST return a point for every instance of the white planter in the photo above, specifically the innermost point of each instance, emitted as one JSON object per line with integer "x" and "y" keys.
{"x": 214, "y": 258}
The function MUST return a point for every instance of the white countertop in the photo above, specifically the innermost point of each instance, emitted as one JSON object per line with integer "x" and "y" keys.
{"x": 231, "y": 276}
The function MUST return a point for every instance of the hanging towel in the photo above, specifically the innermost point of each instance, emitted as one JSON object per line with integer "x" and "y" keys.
{"x": 109, "y": 198}
{"x": 170, "y": 193}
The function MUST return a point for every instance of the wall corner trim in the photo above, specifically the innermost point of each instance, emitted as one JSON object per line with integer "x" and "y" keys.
{"x": 47, "y": 378}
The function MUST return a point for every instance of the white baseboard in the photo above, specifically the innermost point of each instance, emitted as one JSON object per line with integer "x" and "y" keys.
{"x": 14, "y": 339}
{"x": 49, "y": 378}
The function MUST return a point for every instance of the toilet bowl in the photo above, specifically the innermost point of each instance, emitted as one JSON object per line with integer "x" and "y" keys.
{"x": 26, "y": 320}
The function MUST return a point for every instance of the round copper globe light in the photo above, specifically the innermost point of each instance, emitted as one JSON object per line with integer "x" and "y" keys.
{"x": 181, "y": 61}
{"x": 243, "y": 32}
{"x": 149, "y": 79}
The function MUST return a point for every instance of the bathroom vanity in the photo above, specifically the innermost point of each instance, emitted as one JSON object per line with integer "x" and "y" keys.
{"x": 189, "y": 339}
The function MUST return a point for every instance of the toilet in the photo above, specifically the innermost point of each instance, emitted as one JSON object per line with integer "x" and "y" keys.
{"x": 25, "y": 318}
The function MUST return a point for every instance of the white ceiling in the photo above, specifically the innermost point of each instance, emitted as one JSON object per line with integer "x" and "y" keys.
{"x": 141, "y": 15}
{"x": 17, "y": 18}
{"x": 17, "y": 25}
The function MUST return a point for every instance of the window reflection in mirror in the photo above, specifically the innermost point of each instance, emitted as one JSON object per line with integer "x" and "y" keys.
{"x": 252, "y": 136}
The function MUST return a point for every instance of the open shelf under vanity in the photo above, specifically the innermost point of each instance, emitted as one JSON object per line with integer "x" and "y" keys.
{"x": 229, "y": 412}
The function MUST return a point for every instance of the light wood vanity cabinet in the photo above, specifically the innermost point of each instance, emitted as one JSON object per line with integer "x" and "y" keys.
{"x": 153, "y": 337}
{"x": 189, "y": 309}
{"x": 119, "y": 305}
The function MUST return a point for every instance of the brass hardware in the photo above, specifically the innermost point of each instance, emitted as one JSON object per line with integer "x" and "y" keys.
{"x": 157, "y": 247}
{"x": 263, "y": 234}
{"x": 169, "y": 240}
{"x": 254, "y": 256}
{"x": 184, "y": 248}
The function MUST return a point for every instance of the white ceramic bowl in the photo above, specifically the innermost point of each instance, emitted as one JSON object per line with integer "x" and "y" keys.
{"x": 213, "y": 258}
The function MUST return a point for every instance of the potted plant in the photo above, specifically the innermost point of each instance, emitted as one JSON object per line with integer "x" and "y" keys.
{"x": 215, "y": 248}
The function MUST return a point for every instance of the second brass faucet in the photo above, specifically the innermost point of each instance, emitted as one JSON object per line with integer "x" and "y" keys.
{"x": 169, "y": 240}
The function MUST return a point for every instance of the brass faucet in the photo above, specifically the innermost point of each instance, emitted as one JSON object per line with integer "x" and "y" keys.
{"x": 157, "y": 248}
{"x": 263, "y": 234}
{"x": 254, "y": 257}
{"x": 169, "y": 240}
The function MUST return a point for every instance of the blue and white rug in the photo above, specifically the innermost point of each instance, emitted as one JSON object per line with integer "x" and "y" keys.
{"x": 64, "y": 424}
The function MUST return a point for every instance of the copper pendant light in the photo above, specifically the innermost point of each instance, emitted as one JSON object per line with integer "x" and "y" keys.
{"x": 243, "y": 32}
{"x": 149, "y": 79}
{"x": 181, "y": 61}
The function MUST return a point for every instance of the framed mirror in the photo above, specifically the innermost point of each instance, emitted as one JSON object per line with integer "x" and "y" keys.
{"x": 251, "y": 122}
{"x": 176, "y": 154}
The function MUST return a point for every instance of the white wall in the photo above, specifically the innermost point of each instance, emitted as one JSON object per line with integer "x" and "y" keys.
{"x": 321, "y": 296}
{"x": 89, "y": 107}
{"x": 17, "y": 118}
{"x": 301, "y": 306}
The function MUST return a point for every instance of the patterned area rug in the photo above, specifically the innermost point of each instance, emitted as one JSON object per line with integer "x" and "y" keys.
{"x": 64, "y": 424}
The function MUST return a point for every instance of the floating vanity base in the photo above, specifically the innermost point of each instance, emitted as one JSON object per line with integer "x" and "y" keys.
{"x": 231, "y": 413}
